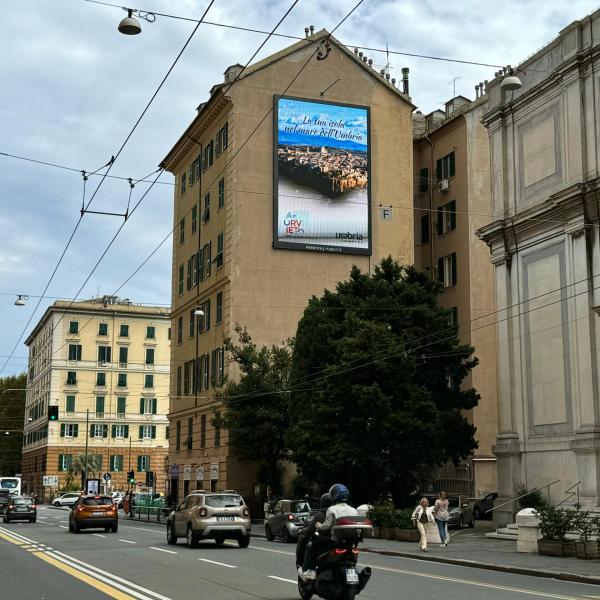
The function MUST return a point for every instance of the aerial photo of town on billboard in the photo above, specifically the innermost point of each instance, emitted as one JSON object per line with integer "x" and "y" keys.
{"x": 321, "y": 177}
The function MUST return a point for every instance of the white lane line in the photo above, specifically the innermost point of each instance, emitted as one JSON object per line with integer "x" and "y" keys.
{"x": 214, "y": 562}
{"x": 63, "y": 521}
{"x": 98, "y": 535}
{"x": 128, "y": 541}
{"x": 271, "y": 550}
{"x": 162, "y": 532}
{"x": 162, "y": 550}
{"x": 282, "y": 579}
{"x": 63, "y": 527}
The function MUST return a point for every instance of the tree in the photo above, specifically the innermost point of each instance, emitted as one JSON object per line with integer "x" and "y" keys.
{"x": 12, "y": 414}
{"x": 376, "y": 376}
{"x": 257, "y": 414}
{"x": 77, "y": 467}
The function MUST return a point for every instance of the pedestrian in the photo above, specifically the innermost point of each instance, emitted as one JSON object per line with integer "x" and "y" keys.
{"x": 421, "y": 516}
{"x": 442, "y": 516}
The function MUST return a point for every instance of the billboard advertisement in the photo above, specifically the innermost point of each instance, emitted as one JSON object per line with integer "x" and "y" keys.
{"x": 321, "y": 176}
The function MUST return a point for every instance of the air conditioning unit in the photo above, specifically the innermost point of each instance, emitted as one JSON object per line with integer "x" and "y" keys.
{"x": 444, "y": 185}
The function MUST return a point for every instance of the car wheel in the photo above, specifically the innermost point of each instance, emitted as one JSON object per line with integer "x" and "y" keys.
{"x": 32, "y": 520}
{"x": 460, "y": 522}
{"x": 192, "y": 538}
{"x": 76, "y": 528}
{"x": 106, "y": 529}
{"x": 71, "y": 527}
{"x": 5, "y": 519}
{"x": 244, "y": 541}
{"x": 269, "y": 533}
{"x": 57, "y": 503}
{"x": 287, "y": 536}
{"x": 171, "y": 537}
{"x": 114, "y": 528}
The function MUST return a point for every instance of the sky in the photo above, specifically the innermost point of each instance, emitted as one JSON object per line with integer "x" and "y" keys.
{"x": 72, "y": 88}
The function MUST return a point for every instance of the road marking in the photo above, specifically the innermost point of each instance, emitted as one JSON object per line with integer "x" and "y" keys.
{"x": 63, "y": 521}
{"x": 282, "y": 579}
{"x": 128, "y": 541}
{"x": 11, "y": 539}
{"x": 143, "y": 529}
{"x": 271, "y": 550}
{"x": 98, "y": 535}
{"x": 214, "y": 562}
{"x": 162, "y": 550}
{"x": 63, "y": 527}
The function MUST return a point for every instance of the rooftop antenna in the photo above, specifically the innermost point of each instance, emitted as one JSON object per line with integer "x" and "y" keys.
{"x": 388, "y": 66}
{"x": 453, "y": 82}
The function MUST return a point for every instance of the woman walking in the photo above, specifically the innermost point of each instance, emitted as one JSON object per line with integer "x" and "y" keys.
{"x": 421, "y": 516}
{"x": 441, "y": 515}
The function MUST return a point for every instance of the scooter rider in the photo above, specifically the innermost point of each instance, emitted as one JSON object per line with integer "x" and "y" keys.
{"x": 340, "y": 508}
{"x": 307, "y": 533}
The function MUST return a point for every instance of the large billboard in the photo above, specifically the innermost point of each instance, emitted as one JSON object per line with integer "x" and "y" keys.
{"x": 321, "y": 172}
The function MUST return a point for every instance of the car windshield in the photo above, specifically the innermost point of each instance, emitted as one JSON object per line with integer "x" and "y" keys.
{"x": 25, "y": 501}
{"x": 97, "y": 501}
{"x": 452, "y": 502}
{"x": 223, "y": 501}
{"x": 300, "y": 507}
{"x": 10, "y": 484}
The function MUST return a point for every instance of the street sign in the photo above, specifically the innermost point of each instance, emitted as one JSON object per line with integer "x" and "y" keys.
{"x": 386, "y": 213}
{"x": 106, "y": 477}
{"x": 50, "y": 480}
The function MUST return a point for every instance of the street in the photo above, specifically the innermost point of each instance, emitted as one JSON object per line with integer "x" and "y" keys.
{"x": 44, "y": 561}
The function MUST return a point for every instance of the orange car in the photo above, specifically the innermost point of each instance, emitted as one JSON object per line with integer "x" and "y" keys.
{"x": 94, "y": 511}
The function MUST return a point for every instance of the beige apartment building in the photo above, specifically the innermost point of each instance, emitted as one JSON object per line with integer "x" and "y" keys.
{"x": 103, "y": 366}
{"x": 452, "y": 200}
{"x": 234, "y": 251}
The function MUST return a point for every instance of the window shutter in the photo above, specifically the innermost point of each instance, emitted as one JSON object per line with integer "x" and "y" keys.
{"x": 91, "y": 431}
{"x": 75, "y": 430}
{"x": 126, "y": 431}
{"x": 113, "y": 431}
{"x": 452, "y": 166}
{"x": 148, "y": 463}
{"x": 208, "y": 258}
{"x": 62, "y": 430}
{"x": 440, "y": 220}
{"x": 139, "y": 463}
{"x": 153, "y": 432}
{"x": 141, "y": 406}
{"x": 153, "y": 406}
{"x": 104, "y": 431}
{"x": 454, "y": 268}
{"x": 141, "y": 432}
{"x": 453, "y": 214}
{"x": 200, "y": 264}
{"x": 438, "y": 169}
{"x": 61, "y": 462}
{"x": 213, "y": 368}
{"x": 440, "y": 273}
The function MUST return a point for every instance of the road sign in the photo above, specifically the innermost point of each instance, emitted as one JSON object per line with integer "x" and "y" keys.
{"x": 106, "y": 476}
{"x": 50, "y": 480}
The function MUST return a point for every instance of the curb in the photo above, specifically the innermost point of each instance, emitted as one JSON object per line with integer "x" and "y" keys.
{"x": 573, "y": 577}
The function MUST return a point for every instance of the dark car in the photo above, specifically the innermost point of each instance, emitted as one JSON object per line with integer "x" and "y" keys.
{"x": 286, "y": 519}
{"x": 94, "y": 512}
{"x": 4, "y": 499}
{"x": 483, "y": 505}
{"x": 20, "y": 508}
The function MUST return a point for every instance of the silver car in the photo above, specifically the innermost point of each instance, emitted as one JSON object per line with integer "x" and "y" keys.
{"x": 286, "y": 519}
{"x": 461, "y": 512}
{"x": 210, "y": 515}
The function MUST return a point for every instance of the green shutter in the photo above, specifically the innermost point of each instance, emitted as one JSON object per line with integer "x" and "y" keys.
{"x": 141, "y": 432}
{"x": 440, "y": 220}
{"x": 104, "y": 431}
{"x": 62, "y": 430}
{"x": 113, "y": 431}
{"x": 141, "y": 406}
{"x": 454, "y": 268}
{"x": 139, "y": 464}
{"x": 60, "y": 462}
{"x": 153, "y": 434}
{"x": 120, "y": 462}
{"x": 91, "y": 431}
{"x": 154, "y": 406}
{"x": 440, "y": 273}
{"x": 452, "y": 166}
{"x": 70, "y": 403}
{"x": 126, "y": 431}
{"x": 438, "y": 169}
{"x": 121, "y": 405}
{"x": 75, "y": 430}
{"x": 453, "y": 214}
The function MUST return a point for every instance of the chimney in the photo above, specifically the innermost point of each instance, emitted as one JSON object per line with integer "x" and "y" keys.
{"x": 382, "y": 72}
{"x": 312, "y": 29}
{"x": 405, "y": 71}
{"x": 365, "y": 59}
{"x": 355, "y": 50}
{"x": 476, "y": 91}
{"x": 306, "y": 32}
{"x": 387, "y": 76}
{"x": 394, "y": 81}
{"x": 370, "y": 62}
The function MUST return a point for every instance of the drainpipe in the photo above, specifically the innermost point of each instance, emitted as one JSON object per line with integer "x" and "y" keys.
{"x": 430, "y": 188}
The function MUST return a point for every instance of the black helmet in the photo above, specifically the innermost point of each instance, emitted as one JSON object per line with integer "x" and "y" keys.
{"x": 325, "y": 501}
{"x": 339, "y": 493}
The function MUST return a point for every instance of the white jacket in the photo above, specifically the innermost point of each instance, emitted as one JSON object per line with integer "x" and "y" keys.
{"x": 335, "y": 512}
{"x": 419, "y": 511}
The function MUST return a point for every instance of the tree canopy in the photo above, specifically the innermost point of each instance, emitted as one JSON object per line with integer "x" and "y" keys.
{"x": 376, "y": 384}
{"x": 12, "y": 414}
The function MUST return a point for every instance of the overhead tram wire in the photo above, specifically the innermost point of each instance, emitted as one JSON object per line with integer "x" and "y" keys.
{"x": 103, "y": 178}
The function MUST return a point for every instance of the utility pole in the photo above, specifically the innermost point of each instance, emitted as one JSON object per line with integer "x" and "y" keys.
{"x": 87, "y": 435}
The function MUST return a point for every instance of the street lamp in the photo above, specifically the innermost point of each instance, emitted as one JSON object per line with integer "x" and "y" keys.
{"x": 511, "y": 82}
{"x": 21, "y": 299}
{"x": 130, "y": 25}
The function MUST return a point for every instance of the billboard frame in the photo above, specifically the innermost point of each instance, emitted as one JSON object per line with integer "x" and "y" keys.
{"x": 278, "y": 245}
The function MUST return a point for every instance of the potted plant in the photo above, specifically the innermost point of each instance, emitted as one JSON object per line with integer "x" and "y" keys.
{"x": 554, "y": 524}
{"x": 587, "y": 527}
{"x": 380, "y": 516}
{"x": 406, "y": 530}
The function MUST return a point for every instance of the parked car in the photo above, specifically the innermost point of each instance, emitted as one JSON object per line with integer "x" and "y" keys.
{"x": 20, "y": 508}
{"x": 4, "y": 499}
{"x": 67, "y": 499}
{"x": 482, "y": 505}
{"x": 94, "y": 512}
{"x": 461, "y": 512}
{"x": 286, "y": 518}
{"x": 209, "y": 515}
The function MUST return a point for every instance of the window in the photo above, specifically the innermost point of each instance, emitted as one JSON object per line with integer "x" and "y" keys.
{"x": 148, "y": 406}
{"x": 191, "y": 275}
{"x": 98, "y": 430}
{"x": 74, "y": 351}
{"x": 204, "y": 368}
{"x": 206, "y": 212}
{"x": 99, "y": 406}
{"x": 447, "y": 270}
{"x": 100, "y": 379}
{"x": 120, "y": 431}
{"x": 220, "y": 250}
{"x": 147, "y": 432}
{"x": 445, "y": 167}
{"x": 116, "y": 463}
{"x": 207, "y": 156}
{"x": 149, "y": 381}
{"x": 74, "y": 327}
{"x": 180, "y": 286}
{"x": 124, "y": 330}
{"x": 192, "y": 173}
{"x": 200, "y": 264}
{"x": 178, "y": 388}
{"x": 188, "y": 377}
{"x": 217, "y": 429}
{"x": 190, "y": 436}
{"x": 71, "y": 378}
{"x": 192, "y": 320}
{"x": 104, "y": 354}
{"x": 97, "y": 459}
{"x": 123, "y": 356}
{"x": 206, "y": 253}
{"x": 453, "y": 316}
{"x": 194, "y": 218}
{"x": 221, "y": 139}
{"x": 150, "y": 332}
{"x": 64, "y": 461}
{"x": 149, "y": 356}
{"x": 446, "y": 217}
{"x": 70, "y": 403}
{"x": 204, "y": 320}
{"x": 102, "y": 328}
{"x": 221, "y": 192}
{"x": 197, "y": 167}
{"x": 143, "y": 463}
{"x": 183, "y": 184}
{"x": 217, "y": 366}
{"x": 178, "y": 435}
{"x": 219, "y": 315}
{"x": 180, "y": 330}
{"x": 167, "y": 432}
{"x": 121, "y": 404}
{"x": 424, "y": 180}
{"x": 122, "y": 380}
{"x": 69, "y": 430}
{"x": 203, "y": 431}
{"x": 182, "y": 231}
{"x": 425, "y": 229}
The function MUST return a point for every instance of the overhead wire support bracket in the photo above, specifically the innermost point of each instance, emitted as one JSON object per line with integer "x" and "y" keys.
{"x": 85, "y": 210}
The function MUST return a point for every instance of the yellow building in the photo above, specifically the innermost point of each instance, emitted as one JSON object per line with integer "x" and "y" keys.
{"x": 103, "y": 364}
{"x": 264, "y": 218}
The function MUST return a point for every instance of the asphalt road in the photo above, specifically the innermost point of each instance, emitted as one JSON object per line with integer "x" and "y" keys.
{"x": 44, "y": 561}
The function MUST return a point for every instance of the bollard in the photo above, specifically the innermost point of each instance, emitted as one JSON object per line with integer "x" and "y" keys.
{"x": 528, "y": 534}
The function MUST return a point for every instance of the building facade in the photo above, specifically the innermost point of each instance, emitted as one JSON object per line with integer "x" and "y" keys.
{"x": 103, "y": 365}
{"x": 544, "y": 243}
{"x": 452, "y": 199}
{"x": 228, "y": 257}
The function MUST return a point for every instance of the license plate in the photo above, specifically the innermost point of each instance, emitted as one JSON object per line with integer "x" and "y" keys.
{"x": 225, "y": 518}
{"x": 98, "y": 514}
{"x": 351, "y": 576}
{"x": 21, "y": 509}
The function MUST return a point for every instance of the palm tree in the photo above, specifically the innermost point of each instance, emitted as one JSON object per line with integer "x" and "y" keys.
{"x": 77, "y": 466}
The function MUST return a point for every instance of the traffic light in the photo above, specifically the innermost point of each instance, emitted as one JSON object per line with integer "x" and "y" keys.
{"x": 52, "y": 413}
{"x": 130, "y": 476}
{"x": 150, "y": 478}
